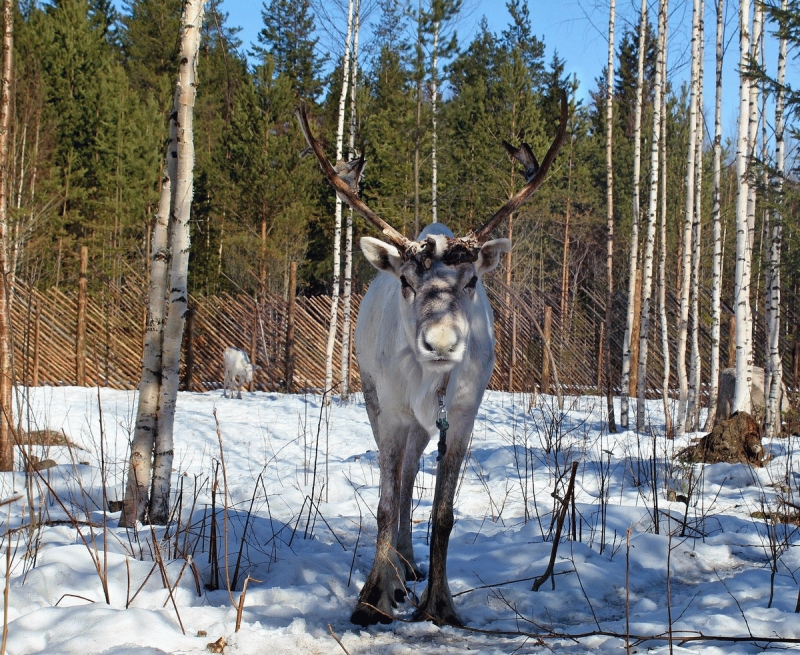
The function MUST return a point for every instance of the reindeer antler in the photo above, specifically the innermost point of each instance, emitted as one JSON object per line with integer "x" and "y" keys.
{"x": 482, "y": 234}
{"x": 344, "y": 181}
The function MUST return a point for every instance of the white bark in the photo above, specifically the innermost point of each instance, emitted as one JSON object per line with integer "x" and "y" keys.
{"x": 693, "y": 409}
{"x": 662, "y": 268}
{"x": 634, "y": 251}
{"x": 774, "y": 365}
{"x": 182, "y": 191}
{"x": 6, "y": 342}
{"x": 716, "y": 283}
{"x": 686, "y": 260}
{"x": 347, "y": 298}
{"x": 744, "y": 347}
{"x": 333, "y": 319}
{"x": 137, "y": 492}
{"x": 434, "y": 91}
{"x": 652, "y": 205}
{"x": 610, "y": 209}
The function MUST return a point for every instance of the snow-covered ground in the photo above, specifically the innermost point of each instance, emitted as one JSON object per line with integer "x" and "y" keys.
{"x": 630, "y": 562}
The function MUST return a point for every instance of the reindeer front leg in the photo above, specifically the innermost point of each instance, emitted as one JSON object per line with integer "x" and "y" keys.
{"x": 437, "y": 601}
{"x": 385, "y": 584}
{"x": 418, "y": 439}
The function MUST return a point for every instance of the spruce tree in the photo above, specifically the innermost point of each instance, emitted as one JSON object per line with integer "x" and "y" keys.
{"x": 288, "y": 39}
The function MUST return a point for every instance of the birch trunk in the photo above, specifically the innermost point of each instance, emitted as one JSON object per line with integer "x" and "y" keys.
{"x": 137, "y": 491}
{"x": 716, "y": 219}
{"x": 418, "y": 127}
{"x": 744, "y": 358}
{"x": 693, "y": 410}
{"x": 333, "y": 319}
{"x": 686, "y": 251}
{"x": 652, "y": 205}
{"x": 634, "y": 251}
{"x": 774, "y": 367}
{"x": 347, "y": 298}
{"x": 6, "y": 343}
{"x": 181, "y": 200}
{"x": 662, "y": 269}
{"x": 610, "y": 213}
{"x": 434, "y": 91}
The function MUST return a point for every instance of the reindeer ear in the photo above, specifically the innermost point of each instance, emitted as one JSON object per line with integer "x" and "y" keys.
{"x": 489, "y": 256}
{"x": 381, "y": 255}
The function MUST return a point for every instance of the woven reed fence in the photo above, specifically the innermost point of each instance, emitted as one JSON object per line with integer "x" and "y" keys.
{"x": 46, "y": 340}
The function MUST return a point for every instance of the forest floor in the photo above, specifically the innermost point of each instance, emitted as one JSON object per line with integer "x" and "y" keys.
{"x": 681, "y": 557}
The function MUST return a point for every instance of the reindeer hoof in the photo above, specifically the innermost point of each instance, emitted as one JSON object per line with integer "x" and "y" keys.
{"x": 414, "y": 574}
{"x": 440, "y": 613}
{"x": 366, "y": 615}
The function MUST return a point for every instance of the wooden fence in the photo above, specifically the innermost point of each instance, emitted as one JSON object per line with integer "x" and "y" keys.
{"x": 48, "y": 344}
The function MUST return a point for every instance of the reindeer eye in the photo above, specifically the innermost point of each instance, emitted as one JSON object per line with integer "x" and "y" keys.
{"x": 471, "y": 284}
{"x": 406, "y": 289}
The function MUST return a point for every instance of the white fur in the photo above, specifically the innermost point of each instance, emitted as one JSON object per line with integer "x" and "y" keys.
{"x": 238, "y": 371}
{"x": 407, "y": 342}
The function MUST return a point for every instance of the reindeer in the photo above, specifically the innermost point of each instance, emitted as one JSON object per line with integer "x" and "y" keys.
{"x": 425, "y": 347}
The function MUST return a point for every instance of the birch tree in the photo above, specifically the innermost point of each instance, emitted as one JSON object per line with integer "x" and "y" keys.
{"x": 652, "y": 206}
{"x": 347, "y": 298}
{"x": 609, "y": 214}
{"x": 693, "y": 408}
{"x": 741, "y": 294}
{"x": 434, "y": 92}
{"x": 182, "y": 190}
{"x": 634, "y": 251}
{"x": 441, "y": 11}
{"x": 137, "y": 492}
{"x": 333, "y": 319}
{"x": 6, "y": 343}
{"x": 716, "y": 220}
{"x": 662, "y": 268}
{"x": 774, "y": 367}
{"x": 686, "y": 258}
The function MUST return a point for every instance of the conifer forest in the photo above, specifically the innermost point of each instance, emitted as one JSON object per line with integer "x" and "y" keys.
{"x": 649, "y": 209}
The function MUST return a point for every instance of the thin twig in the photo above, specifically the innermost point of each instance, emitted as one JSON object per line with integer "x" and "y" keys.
{"x": 338, "y": 641}
{"x": 564, "y": 507}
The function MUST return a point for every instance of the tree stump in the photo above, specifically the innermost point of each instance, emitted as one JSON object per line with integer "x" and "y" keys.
{"x": 737, "y": 439}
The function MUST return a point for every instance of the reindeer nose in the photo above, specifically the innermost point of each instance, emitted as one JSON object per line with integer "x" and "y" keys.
{"x": 440, "y": 340}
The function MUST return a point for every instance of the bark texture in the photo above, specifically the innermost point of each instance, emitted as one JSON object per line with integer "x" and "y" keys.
{"x": 181, "y": 202}
{"x": 627, "y": 355}
{"x": 6, "y": 344}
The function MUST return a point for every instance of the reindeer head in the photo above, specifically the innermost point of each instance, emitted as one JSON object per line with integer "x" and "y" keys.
{"x": 437, "y": 297}
{"x": 439, "y": 274}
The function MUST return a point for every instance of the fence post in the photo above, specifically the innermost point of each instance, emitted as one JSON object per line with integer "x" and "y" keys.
{"x": 80, "y": 340}
{"x": 254, "y": 345}
{"x": 36, "y": 338}
{"x": 635, "y": 329}
{"x": 731, "y": 341}
{"x": 548, "y": 323}
{"x": 289, "y": 362}
{"x": 600, "y": 338}
{"x": 512, "y": 357}
{"x": 188, "y": 369}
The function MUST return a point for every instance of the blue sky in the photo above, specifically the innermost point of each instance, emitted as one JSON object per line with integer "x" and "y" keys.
{"x": 577, "y": 30}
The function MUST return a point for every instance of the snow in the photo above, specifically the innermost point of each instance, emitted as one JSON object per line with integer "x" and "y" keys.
{"x": 707, "y": 568}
